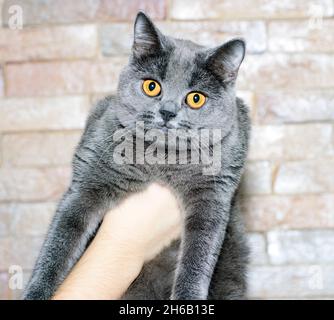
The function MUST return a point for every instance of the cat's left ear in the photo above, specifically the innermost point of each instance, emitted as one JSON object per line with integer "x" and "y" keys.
{"x": 147, "y": 38}
{"x": 226, "y": 59}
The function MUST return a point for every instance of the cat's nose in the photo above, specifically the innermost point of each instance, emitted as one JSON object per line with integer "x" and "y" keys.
{"x": 167, "y": 115}
{"x": 168, "y": 111}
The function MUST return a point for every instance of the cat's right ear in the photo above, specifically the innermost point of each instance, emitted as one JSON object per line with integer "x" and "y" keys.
{"x": 147, "y": 38}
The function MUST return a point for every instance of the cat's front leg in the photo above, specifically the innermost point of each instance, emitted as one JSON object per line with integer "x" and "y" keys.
{"x": 77, "y": 217}
{"x": 206, "y": 217}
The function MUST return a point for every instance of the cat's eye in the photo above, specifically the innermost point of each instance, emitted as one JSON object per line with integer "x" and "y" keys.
{"x": 195, "y": 100}
{"x": 151, "y": 88}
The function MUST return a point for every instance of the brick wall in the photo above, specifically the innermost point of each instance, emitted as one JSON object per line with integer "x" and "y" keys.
{"x": 69, "y": 54}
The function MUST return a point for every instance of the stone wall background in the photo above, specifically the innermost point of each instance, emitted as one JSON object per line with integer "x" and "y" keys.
{"x": 69, "y": 54}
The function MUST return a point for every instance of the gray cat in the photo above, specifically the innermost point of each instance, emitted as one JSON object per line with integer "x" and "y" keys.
{"x": 174, "y": 84}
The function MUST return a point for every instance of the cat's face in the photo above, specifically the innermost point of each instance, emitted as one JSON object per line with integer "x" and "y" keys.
{"x": 177, "y": 84}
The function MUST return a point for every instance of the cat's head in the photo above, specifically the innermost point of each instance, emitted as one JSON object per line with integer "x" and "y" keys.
{"x": 172, "y": 83}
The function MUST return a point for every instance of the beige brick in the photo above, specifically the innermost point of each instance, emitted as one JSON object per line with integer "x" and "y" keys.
{"x": 5, "y": 221}
{"x": 290, "y": 107}
{"x": 48, "y": 43}
{"x": 4, "y": 253}
{"x": 238, "y": 9}
{"x": 128, "y": 11}
{"x": 291, "y": 142}
{"x": 1, "y": 152}
{"x": 1, "y": 5}
{"x": 257, "y": 178}
{"x": 264, "y": 213}
{"x": 305, "y": 177}
{"x": 39, "y": 149}
{"x": 257, "y": 245}
{"x": 301, "y": 36}
{"x": 206, "y": 33}
{"x": 43, "y": 113}
{"x": 291, "y": 281}
{"x": 57, "y": 78}
{"x": 61, "y": 11}
{"x": 105, "y": 74}
{"x": 111, "y": 43}
{"x": 298, "y": 71}
{"x": 33, "y": 184}
{"x": 213, "y": 34}
{"x": 31, "y": 219}
{"x": 4, "y": 289}
{"x": 301, "y": 247}
{"x": 2, "y": 90}
{"x": 64, "y": 11}
{"x": 24, "y": 251}
{"x": 32, "y": 223}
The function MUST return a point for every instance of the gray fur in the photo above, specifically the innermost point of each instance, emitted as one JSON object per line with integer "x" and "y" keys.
{"x": 209, "y": 261}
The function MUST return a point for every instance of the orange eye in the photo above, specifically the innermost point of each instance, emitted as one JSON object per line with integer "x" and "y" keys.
{"x": 195, "y": 100}
{"x": 151, "y": 88}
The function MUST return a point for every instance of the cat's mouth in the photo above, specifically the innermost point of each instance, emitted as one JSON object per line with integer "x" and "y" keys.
{"x": 165, "y": 126}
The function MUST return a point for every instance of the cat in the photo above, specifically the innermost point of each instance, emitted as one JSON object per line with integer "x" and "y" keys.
{"x": 168, "y": 84}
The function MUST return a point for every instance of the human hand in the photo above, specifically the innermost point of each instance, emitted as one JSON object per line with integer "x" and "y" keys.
{"x": 144, "y": 223}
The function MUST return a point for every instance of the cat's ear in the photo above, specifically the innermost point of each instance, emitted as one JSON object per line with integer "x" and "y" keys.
{"x": 226, "y": 59}
{"x": 147, "y": 38}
